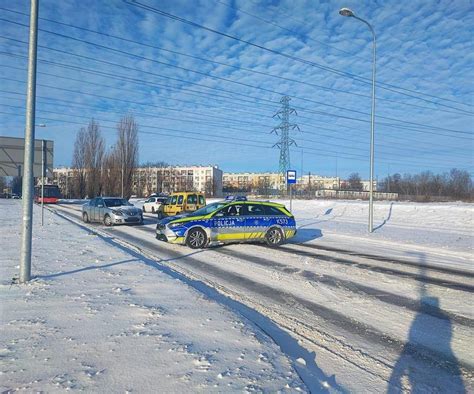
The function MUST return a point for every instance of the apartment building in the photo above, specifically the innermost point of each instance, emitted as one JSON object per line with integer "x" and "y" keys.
{"x": 64, "y": 178}
{"x": 317, "y": 182}
{"x": 207, "y": 179}
{"x": 251, "y": 181}
{"x": 147, "y": 180}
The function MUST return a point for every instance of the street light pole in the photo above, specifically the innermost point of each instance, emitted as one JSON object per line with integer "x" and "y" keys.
{"x": 350, "y": 13}
{"x": 27, "y": 184}
{"x": 42, "y": 181}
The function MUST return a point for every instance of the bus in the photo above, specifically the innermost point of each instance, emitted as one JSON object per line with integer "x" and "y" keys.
{"x": 51, "y": 194}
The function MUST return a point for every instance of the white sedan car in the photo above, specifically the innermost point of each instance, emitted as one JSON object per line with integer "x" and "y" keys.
{"x": 153, "y": 203}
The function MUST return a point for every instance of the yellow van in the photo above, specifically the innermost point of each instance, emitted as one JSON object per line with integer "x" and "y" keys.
{"x": 182, "y": 202}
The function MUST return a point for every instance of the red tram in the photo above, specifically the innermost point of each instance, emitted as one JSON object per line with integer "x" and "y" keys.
{"x": 51, "y": 194}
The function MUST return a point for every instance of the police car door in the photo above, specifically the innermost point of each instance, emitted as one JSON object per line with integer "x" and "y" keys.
{"x": 228, "y": 224}
{"x": 256, "y": 222}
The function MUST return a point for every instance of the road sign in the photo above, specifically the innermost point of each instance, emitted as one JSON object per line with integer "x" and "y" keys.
{"x": 12, "y": 151}
{"x": 290, "y": 177}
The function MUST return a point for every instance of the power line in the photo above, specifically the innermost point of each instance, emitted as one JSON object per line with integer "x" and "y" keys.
{"x": 327, "y": 45}
{"x": 114, "y": 76}
{"x": 142, "y": 82}
{"x": 126, "y": 53}
{"x": 173, "y": 109}
{"x": 381, "y": 85}
{"x": 200, "y": 114}
{"x": 444, "y": 146}
{"x": 254, "y": 87}
{"x": 154, "y": 116}
{"x": 183, "y": 135}
{"x": 459, "y": 112}
{"x": 73, "y": 104}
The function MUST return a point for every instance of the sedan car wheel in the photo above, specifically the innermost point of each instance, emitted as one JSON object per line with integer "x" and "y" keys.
{"x": 107, "y": 220}
{"x": 274, "y": 237}
{"x": 196, "y": 238}
{"x": 85, "y": 217}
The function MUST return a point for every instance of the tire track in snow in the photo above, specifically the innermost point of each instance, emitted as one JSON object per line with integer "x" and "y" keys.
{"x": 291, "y": 303}
{"x": 451, "y": 271}
{"x": 338, "y": 283}
{"x": 384, "y": 270}
{"x": 334, "y": 318}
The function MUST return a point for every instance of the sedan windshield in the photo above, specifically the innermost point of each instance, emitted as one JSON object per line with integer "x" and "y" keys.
{"x": 208, "y": 209}
{"x": 115, "y": 202}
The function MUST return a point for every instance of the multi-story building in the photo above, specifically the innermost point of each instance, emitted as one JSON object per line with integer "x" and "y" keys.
{"x": 256, "y": 182}
{"x": 147, "y": 180}
{"x": 317, "y": 182}
{"x": 252, "y": 182}
{"x": 207, "y": 179}
{"x": 64, "y": 178}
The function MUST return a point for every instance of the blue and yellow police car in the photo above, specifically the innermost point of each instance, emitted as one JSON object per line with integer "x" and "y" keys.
{"x": 236, "y": 220}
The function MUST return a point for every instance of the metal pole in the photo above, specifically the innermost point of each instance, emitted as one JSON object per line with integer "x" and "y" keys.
{"x": 372, "y": 142}
{"x": 42, "y": 182}
{"x": 27, "y": 185}
{"x": 372, "y": 130}
{"x": 122, "y": 157}
{"x": 291, "y": 197}
{"x": 122, "y": 180}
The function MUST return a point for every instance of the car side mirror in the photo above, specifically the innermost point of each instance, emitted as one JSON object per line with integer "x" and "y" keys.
{"x": 219, "y": 214}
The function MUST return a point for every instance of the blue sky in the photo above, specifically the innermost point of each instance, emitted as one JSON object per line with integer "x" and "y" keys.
{"x": 215, "y": 105}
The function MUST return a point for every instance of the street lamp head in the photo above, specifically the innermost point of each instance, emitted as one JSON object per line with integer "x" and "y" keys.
{"x": 346, "y": 12}
{"x": 41, "y": 125}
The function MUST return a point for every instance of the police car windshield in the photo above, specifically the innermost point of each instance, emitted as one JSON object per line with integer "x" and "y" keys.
{"x": 208, "y": 209}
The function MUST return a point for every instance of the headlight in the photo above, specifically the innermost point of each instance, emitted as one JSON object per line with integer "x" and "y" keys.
{"x": 118, "y": 213}
{"x": 174, "y": 225}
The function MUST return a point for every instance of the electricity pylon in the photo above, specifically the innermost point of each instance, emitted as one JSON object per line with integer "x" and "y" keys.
{"x": 283, "y": 130}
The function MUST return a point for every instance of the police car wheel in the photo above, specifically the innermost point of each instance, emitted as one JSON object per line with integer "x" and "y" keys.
{"x": 274, "y": 237}
{"x": 196, "y": 238}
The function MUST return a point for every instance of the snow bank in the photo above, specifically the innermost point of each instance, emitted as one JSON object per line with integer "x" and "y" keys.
{"x": 98, "y": 319}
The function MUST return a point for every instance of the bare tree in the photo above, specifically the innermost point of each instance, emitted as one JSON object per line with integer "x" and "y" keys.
{"x": 354, "y": 181}
{"x": 127, "y": 150}
{"x": 79, "y": 164}
{"x": 94, "y": 156}
{"x": 111, "y": 173}
{"x": 3, "y": 184}
{"x": 455, "y": 184}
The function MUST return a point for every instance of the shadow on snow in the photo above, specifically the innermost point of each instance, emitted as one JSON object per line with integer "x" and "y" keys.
{"x": 418, "y": 375}
{"x": 303, "y": 361}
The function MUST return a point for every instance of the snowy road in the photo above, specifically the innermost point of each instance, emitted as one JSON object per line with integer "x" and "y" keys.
{"x": 375, "y": 318}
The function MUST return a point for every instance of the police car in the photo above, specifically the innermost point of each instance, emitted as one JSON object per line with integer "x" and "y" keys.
{"x": 235, "y": 220}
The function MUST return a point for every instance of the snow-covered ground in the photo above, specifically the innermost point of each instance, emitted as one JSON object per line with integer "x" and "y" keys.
{"x": 413, "y": 231}
{"x": 99, "y": 319}
{"x": 408, "y": 230}
{"x": 345, "y": 310}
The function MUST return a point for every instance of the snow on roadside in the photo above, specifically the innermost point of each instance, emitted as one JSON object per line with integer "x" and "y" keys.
{"x": 98, "y": 319}
{"x": 441, "y": 233}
